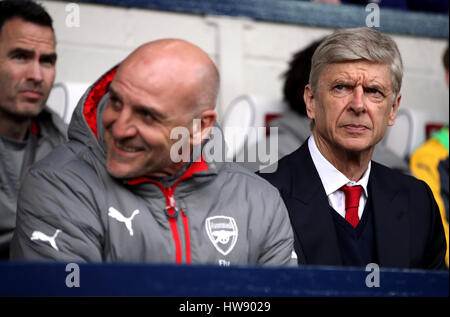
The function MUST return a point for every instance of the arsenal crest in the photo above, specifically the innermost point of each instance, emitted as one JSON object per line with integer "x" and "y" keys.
{"x": 223, "y": 233}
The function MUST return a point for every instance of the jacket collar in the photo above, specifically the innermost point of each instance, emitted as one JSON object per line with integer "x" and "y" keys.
{"x": 192, "y": 170}
{"x": 319, "y": 243}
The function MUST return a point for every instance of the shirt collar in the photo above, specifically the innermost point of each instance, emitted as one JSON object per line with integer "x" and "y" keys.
{"x": 331, "y": 178}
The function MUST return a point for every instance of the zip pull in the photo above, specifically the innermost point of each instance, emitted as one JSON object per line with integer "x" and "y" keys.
{"x": 171, "y": 208}
{"x": 172, "y": 211}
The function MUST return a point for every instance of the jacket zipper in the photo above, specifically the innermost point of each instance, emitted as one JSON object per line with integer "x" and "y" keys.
{"x": 172, "y": 210}
{"x": 172, "y": 214}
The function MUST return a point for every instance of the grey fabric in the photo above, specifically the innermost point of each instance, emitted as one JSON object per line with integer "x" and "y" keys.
{"x": 14, "y": 153}
{"x": 70, "y": 197}
{"x": 52, "y": 132}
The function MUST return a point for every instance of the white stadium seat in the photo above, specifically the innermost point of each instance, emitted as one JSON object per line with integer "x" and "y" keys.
{"x": 245, "y": 112}
{"x": 64, "y": 97}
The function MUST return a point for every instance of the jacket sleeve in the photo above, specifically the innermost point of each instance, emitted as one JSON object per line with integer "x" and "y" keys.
{"x": 424, "y": 164}
{"x": 436, "y": 242}
{"x": 278, "y": 245}
{"x": 57, "y": 219}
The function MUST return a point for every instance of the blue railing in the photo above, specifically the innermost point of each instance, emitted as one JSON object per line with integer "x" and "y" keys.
{"x": 302, "y": 13}
{"x": 61, "y": 279}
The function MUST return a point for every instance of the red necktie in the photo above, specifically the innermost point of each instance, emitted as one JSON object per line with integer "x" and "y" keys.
{"x": 352, "y": 194}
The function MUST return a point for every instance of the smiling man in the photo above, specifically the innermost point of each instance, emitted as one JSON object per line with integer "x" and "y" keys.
{"x": 27, "y": 131}
{"x": 113, "y": 193}
{"x": 347, "y": 210}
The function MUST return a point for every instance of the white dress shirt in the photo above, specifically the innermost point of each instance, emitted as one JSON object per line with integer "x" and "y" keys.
{"x": 332, "y": 180}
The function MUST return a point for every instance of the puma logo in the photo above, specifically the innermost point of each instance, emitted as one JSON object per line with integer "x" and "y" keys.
{"x": 114, "y": 213}
{"x": 37, "y": 235}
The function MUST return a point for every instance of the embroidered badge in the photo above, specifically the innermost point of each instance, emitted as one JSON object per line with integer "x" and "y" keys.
{"x": 223, "y": 233}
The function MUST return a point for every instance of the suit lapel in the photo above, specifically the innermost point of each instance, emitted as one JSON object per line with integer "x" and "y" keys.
{"x": 310, "y": 212}
{"x": 391, "y": 223}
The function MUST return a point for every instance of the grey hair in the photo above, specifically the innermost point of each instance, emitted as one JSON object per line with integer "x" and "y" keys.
{"x": 357, "y": 44}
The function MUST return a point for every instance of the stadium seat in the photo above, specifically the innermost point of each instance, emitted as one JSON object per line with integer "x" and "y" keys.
{"x": 246, "y": 112}
{"x": 64, "y": 97}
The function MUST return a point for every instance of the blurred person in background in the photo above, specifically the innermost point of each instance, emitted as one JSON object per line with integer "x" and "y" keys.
{"x": 430, "y": 163}
{"x": 28, "y": 130}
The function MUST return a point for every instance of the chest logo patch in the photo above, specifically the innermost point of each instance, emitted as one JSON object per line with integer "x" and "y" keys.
{"x": 114, "y": 213}
{"x": 38, "y": 235}
{"x": 223, "y": 233}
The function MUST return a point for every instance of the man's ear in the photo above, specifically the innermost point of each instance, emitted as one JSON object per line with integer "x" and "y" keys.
{"x": 394, "y": 109}
{"x": 202, "y": 126}
{"x": 309, "y": 99}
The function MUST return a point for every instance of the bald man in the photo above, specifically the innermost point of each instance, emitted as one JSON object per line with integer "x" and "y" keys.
{"x": 117, "y": 192}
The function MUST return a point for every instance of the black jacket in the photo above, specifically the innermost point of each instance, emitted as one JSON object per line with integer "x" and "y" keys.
{"x": 408, "y": 227}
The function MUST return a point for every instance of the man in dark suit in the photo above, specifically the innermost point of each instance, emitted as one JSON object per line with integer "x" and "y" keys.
{"x": 345, "y": 209}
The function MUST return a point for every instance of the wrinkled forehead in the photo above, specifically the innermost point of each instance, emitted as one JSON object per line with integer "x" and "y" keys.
{"x": 360, "y": 71}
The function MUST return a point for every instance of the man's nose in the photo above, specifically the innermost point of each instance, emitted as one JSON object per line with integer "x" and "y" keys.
{"x": 357, "y": 102}
{"x": 35, "y": 72}
{"x": 124, "y": 126}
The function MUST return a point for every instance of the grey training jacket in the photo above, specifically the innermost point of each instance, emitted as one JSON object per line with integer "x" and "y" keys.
{"x": 48, "y": 132}
{"x": 71, "y": 209}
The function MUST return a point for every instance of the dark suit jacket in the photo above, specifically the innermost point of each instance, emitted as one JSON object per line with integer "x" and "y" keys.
{"x": 407, "y": 224}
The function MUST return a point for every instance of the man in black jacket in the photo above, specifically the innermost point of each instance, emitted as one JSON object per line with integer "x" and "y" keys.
{"x": 347, "y": 210}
